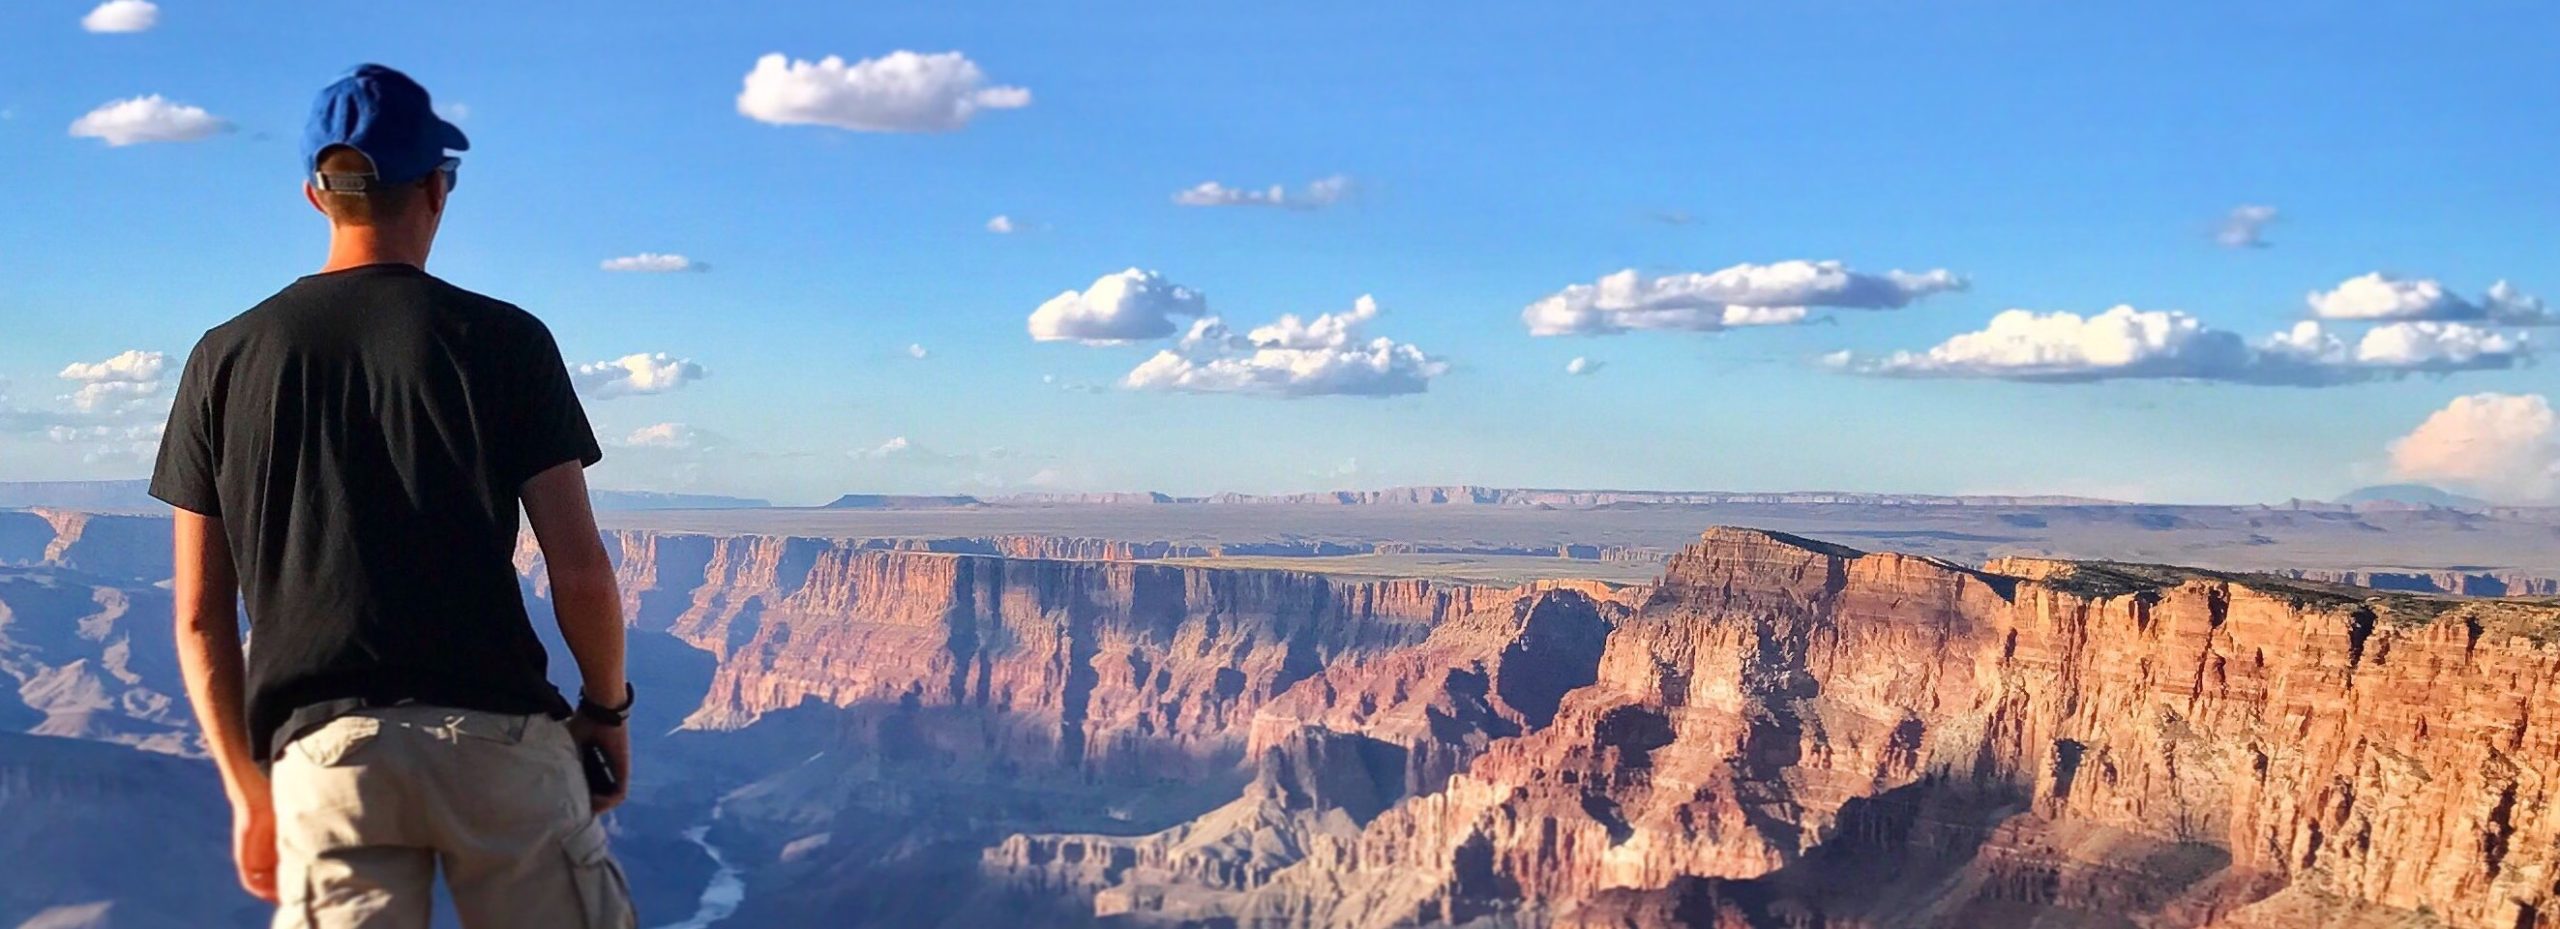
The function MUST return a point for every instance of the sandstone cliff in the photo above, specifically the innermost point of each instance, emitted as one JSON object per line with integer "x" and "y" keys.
{"x": 1795, "y": 734}
{"x": 1087, "y": 664}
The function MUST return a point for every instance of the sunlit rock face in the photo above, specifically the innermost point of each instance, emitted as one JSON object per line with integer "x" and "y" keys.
{"x": 1793, "y": 734}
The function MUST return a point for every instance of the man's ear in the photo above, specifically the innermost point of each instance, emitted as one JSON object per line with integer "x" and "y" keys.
{"x": 312, "y": 194}
{"x": 436, "y": 191}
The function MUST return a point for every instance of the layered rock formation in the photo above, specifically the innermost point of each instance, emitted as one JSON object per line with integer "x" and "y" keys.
{"x": 1335, "y": 751}
{"x": 1085, "y": 664}
{"x": 1795, "y": 734}
{"x": 2462, "y": 583}
{"x": 88, "y": 657}
{"x": 894, "y": 714}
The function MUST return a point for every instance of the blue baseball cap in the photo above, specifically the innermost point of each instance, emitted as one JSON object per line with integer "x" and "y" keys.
{"x": 380, "y": 112}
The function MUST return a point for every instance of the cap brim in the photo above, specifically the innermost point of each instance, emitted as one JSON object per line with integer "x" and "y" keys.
{"x": 452, "y": 136}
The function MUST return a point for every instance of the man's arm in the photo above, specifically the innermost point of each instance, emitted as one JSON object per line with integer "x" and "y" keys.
{"x": 208, "y": 614}
{"x": 585, "y": 598}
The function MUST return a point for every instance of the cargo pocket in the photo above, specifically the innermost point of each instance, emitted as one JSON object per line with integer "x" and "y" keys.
{"x": 604, "y": 895}
{"x": 338, "y": 741}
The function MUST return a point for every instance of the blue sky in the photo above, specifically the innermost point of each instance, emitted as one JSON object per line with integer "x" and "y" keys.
{"x": 2058, "y": 157}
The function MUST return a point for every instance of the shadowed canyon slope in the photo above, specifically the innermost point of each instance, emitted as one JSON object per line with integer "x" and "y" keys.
{"x": 1794, "y": 734}
{"x": 1779, "y": 733}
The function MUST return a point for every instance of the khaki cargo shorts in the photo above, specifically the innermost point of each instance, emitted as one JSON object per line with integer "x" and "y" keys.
{"x": 369, "y": 806}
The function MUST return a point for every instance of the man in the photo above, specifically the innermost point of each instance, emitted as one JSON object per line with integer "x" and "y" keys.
{"x": 351, "y": 455}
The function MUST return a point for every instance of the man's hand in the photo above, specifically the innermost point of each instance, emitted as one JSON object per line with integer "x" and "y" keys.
{"x": 253, "y": 846}
{"x": 616, "y": 742}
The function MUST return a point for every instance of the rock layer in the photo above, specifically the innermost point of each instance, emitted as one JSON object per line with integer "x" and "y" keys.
{"x": 1795, "y": 734}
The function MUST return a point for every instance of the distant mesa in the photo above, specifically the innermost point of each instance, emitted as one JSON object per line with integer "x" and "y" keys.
{"x": 2411, "y": 495}
{"x": 1460, "y": 495}
{"x": 900, "y": 501}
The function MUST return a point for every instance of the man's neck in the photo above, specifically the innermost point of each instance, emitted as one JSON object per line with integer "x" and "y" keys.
{"x": 358, "y": 246}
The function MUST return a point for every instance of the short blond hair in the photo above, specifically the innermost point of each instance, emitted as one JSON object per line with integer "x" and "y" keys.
{"x": 371, "y": 206}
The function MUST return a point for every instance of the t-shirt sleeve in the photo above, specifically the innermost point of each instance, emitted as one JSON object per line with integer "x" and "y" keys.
{"x": 184, "y": 476}
{"x": 548, "y": 425}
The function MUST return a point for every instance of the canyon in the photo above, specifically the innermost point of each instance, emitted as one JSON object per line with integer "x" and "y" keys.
{"x": 1767, "y": 731}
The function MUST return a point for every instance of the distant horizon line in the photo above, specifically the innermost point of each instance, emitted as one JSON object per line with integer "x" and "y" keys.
{"x": 1453, "y": 494}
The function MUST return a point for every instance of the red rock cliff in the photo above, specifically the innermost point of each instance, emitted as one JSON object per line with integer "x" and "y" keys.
{"x": 1117, "y": 665}
{"x": 1795, "y": 734}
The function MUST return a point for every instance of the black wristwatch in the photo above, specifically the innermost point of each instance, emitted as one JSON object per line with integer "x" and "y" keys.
{"x": 602, "y": 715}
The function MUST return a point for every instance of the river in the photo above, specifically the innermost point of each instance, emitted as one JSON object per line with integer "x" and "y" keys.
{"x": 721, "y": 896}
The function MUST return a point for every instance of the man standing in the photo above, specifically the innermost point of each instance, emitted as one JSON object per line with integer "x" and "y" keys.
{"x": 351, "y": 454}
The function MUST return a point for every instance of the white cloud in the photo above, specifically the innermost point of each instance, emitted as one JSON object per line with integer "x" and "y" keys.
{"x": 654, "y": 263}
{"x": 1318, "y": 194}
{"x": 2245, "y": 226}
{"x": 120, "y": 384}
{"x": 636, "y": 374}
{"x": 2124, "y": 342}
{"x": 2505, "y": 446}
{"x": 917, "y": 351}
{"x": 1581, "y": 366}
{"x": 1291, "y": 357}
{"x": 1001, "y": 225}
{"x": 2383, "y": 297}
{"x": 899, "y": 92}
{"x": 2505, "y": 304}
{"x": 893, "y": 448}
{"x": 454, "y": 112}
{"x": 122, "y": 16}
{"x": 147, "y": 119}
{"x": 133, "y": 365}
{"x": 2408, "y": 346}
{"x": 112, "y": 397}
{"x": 1121, "y": 307}
{"x": 665, "y": 435}
{"x": 1742, "y": 295}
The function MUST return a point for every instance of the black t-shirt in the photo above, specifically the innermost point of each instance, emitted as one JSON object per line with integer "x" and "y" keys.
{"x": 363, "y": 436}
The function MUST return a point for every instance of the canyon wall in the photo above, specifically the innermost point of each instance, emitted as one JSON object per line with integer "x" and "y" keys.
{"x": 1795, "y": 734}
{"x": 1088, "y": 664}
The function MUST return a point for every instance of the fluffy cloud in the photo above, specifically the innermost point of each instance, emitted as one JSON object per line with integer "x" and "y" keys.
{"x": 1743, "y": 295}
{"x": 2382, "y": 297}
{"x": 665, "y": 435}
{"x": 899, "y": 92}
{"x": 894, "y": 448}
{"x": 654, "y": 263}
{"x": 1291, "y": 357}
{"x": 1001, "y": 225}
{"x": 122, "y": 16}
{"x": 2505, "y": 446}
{"x": 2124, "y": 342}
{"x": 119, "y": 384}
{"x": 147, "y": 119}
{"x": 2508, "y": 305}
{"x": 1321, "y": 193}
{"x": 2398, "y": 347}
{"x": 132, "y": 365}
{"x": 1580, "y": 366}
{"x": 1122, "y": 307}
{"x": 635, "y": 374}
{"x": 2244, "y": 227}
